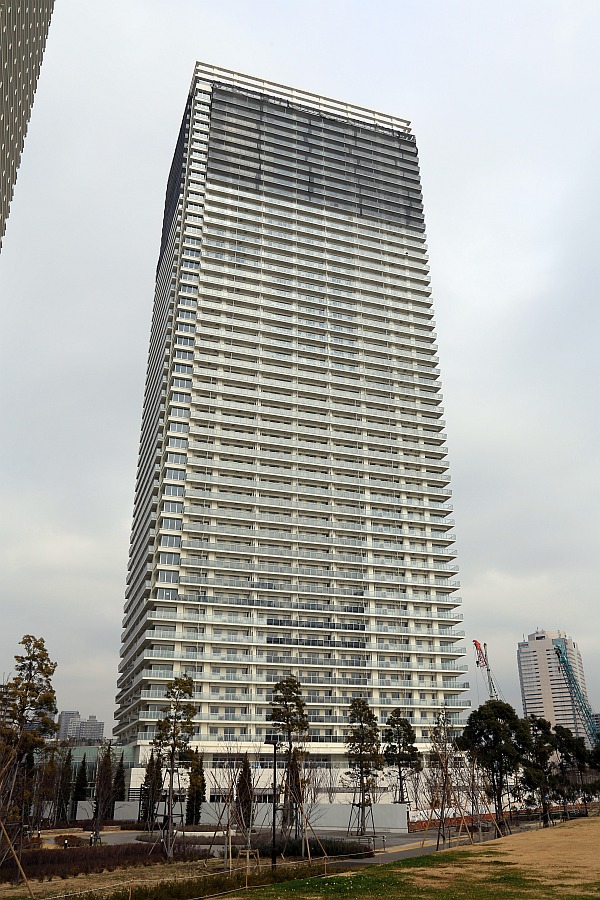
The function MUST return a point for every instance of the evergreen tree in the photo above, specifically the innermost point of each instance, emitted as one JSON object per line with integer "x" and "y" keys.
{"x": 288, "y": 710}
{"x": 26, "y": 720}
{"x": 570, "y": 756}
{"x": 196, "y": 793}
{"x": 400, "y": 750}
{"x": 119, "y": 789}
{"x": 151, "y": 790}
{"x": 79, "y": 787}
{"x": 288, "y": 714}
{"x": 536, "y": 764}
{"x": 173, "y": 734}
{"x": 63, "y": 787}
{"x": 497, "y": 739}
{"x": 103, "y": 796}
{"x": 30, "y": 700}
{"x": 245, "y": 793}
{"x": 363, "y": 749}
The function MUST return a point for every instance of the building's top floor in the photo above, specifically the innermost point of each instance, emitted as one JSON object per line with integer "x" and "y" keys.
{"x": 540, "y": 634}
{"x": 324, "y": 105}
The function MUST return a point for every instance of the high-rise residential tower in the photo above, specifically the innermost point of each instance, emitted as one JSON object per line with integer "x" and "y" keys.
{"x": 544, "y": 688}
{"x": 291, "y": 507}
{"x": 23, "y": 31}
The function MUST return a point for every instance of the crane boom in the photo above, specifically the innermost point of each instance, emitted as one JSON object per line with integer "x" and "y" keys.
{"x": 483, "y": 663}
{"x": 578, "y": 698}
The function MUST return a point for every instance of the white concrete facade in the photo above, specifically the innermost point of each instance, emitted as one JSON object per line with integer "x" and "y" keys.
{"x": 292, "y": 502}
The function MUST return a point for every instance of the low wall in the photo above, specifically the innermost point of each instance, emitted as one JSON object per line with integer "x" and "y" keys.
{"x": 387, "y": 817}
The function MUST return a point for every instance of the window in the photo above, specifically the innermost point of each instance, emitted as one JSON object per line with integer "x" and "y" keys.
{"x": 182, "y": 383}
{"x": 167, "y": 576}
{"x": 177, "y": 458}
{"x": 168, "y": 559}
{"x": 170, "y": 540}
{"x": 171, "y": 524}
{"x": 173, "y": 490}
{"x": 172, "y": 506}
{"x": 183, "y": 369}
{"x": 175, "y": 474}
{"x": 178, "y": 397}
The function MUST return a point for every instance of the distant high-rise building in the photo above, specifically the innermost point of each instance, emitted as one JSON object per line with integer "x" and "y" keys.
{"x": 292, "y": 502}
{"x": 90, "y": 729}
{"x": 68, "y": 723}
{"x": 23, "y": 32}
{"x": 72, "y": 727}
{"x": 544, "y": 689}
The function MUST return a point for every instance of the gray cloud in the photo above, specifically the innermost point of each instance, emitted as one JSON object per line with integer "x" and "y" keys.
{"x": 502, "y": 101}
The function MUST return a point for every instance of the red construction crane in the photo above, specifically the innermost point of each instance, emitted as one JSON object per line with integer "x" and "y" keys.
{"x": 483, "y": 663}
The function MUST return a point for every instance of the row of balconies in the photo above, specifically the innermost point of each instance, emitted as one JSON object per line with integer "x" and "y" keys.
{"x": 354, "y": 417}
{"x": 261, "y": 622}
{"x": 338, "y": 543}
{"x": 326, "y": 445}
{"x": 394, "y": 408}
{"x": 361, "y": 606}
{"x": 217, "y": 295}
{"x": 333, "y": 700}
{"x": 369, "y": 556}
{"x": 257, "y": 242}
{"x": 314, "y": 571}
{"x": 361, "y": 478}
{"x": 287, "y": 640}
{"x": 338, "y": 430}
{"x": 261, "y": 355}
{"x": 405, "y": 394}
{"x": 321, "y": 278}
{"x": 331, "y": 452}
{"x": 258, "y": 319}
{"x": 401, "y": 384}
{"x": 288, "y": 659}
{"x": 265, "y": 277}
{"x": 308, "y": 505}
{"x": 367, "y": 485}
{"x": 311, "y": 587}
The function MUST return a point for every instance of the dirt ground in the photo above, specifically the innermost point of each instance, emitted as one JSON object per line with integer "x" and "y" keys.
{"x": 562, "y": 861}
{"x": 565, "y": 857}
{"x": 104, "y": 880}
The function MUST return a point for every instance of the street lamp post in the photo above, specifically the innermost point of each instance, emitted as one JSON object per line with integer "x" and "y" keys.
{"x": 274, "y": 741}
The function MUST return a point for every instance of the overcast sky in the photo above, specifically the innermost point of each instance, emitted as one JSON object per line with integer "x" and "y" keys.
{"x": 503, "y": 99}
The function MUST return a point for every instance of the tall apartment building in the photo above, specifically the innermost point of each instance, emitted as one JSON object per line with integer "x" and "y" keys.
{"x": 544, "y": 689}
{"x": 23, "y": 31}
{"x": 292, "y": 508}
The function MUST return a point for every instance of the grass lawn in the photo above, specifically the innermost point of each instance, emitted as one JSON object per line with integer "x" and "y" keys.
{"x": 560, "y": 862}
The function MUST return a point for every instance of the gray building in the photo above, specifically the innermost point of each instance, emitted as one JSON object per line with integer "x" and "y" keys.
{"x": 544, "y": 689}
{"x": 68, "y": 724}
{"x": 23, "y": 31}
{"x": 72, "y": 727}
{"x": 292, "y": 511}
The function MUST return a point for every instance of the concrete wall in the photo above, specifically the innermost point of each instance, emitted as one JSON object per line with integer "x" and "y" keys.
{"x": 323, "y": 816}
